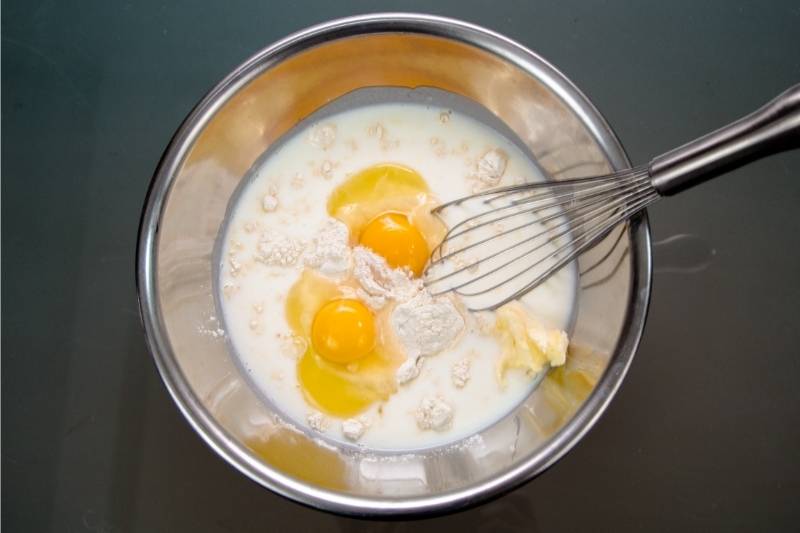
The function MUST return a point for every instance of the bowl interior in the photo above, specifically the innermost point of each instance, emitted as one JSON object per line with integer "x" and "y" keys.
{"x": 226, "y": 134}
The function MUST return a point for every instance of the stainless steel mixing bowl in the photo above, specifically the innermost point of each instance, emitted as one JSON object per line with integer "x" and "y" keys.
{"x": 248, "y": 111}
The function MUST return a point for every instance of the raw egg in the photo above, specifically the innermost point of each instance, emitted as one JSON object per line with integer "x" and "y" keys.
{"x": 387, "y": 208}
{"x": 348, "y": 365}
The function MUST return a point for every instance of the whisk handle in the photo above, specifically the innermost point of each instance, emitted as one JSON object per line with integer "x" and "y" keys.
{"x": 773, "y": 128}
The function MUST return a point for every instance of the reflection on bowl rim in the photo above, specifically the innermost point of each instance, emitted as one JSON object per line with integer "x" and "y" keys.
{"x": 244, "y": 460}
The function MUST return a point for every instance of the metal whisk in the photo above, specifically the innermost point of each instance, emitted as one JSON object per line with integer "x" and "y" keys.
{"x": 504, "y": 242}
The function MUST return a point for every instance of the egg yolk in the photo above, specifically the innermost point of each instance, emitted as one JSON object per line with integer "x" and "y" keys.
{"x": 394, "y": 238}
{"x": 343, "y": 331}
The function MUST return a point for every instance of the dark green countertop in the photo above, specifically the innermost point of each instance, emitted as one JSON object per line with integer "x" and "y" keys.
{"x": 704, "y": 434}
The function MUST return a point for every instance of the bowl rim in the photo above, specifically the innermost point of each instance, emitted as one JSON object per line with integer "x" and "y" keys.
{"x": 244, "y": 460}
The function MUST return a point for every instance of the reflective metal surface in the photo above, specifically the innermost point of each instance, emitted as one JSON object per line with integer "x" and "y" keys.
{"x": 250, "y": 109}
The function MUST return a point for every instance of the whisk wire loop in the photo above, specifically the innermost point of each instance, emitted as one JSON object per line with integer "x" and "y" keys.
{"x": 559, "y": 221}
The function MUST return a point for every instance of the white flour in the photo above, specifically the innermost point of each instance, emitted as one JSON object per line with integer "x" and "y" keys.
{"x": 378, "y": 279}
{"x": 491, "y": 167}
{"x": 376, "y": 303}
{"x": 409, "y": 370}
{"x": 354, "y": 428}
{"x": 328, "y": 251}
{"x": 317, "y": 421}
{"x": 434, "y": 413}
{"x": 276, "y": 249}
{"x": 426, "y": 325}
{"x": 460, "y": 373}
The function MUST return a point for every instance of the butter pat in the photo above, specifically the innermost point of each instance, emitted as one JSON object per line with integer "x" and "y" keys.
{"x": 525, "y": 343}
